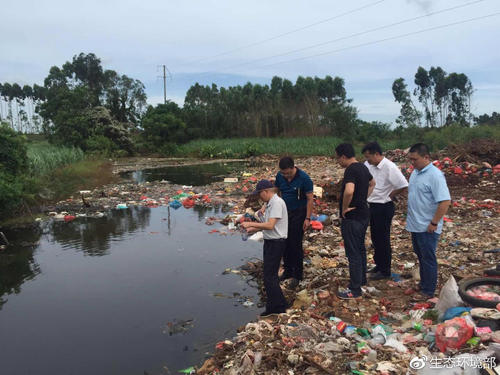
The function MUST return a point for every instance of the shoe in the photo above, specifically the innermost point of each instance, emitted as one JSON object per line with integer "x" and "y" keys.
{"x": 379, "y": 276}
{"x": 284, "y": 277}
{"x": 420, "y": 297}
{"x": 293, "y": 283}
{"x": 373, "y": 270}
{"x": 348, "y": 294}
{"x": 270, "y": 313}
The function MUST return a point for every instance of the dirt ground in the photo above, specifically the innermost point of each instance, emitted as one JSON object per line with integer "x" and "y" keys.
{"x": 308, "y": 338}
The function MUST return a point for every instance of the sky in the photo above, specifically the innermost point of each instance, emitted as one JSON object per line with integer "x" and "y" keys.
{"x": 368, "y": 43}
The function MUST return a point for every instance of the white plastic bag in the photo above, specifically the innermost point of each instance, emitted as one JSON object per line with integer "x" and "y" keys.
{"x": 448, "y": 297}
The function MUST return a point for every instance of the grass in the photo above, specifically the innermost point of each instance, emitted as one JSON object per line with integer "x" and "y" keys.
{"x": 436, "y": 139}
{"x": 81, "y": 175}
{"x": 245, "y": 147}
{"x": 44, "y": 158}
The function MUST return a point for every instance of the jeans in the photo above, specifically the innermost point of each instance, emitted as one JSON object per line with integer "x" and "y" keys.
{"x": 273, "y": 251}
{"x": 424, "y": 245}
{"x": 380, "y": 227}
{"x": 293, "y": 259}
{"x": 353, "y": 234}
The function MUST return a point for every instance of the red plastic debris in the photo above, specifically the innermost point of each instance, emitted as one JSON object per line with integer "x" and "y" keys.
{"x": 69, "y": 218}
{"x": 452, "y": 334}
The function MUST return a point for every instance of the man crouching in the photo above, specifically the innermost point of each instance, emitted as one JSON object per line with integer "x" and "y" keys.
{"x": 275, "y": 229}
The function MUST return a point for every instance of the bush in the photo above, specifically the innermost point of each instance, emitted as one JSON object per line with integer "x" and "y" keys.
{"x": 99, "y": 144}
{"x": 169, "y": 149}
{"x": 207, "y": 151}
{"x": 251, "y": 149}
{"x": 13, "y": 151}
{"x": 13, "y": 165}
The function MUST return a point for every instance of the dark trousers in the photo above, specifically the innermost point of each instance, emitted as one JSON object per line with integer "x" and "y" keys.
{"x": 293, "y": 259}
{"x": 424, "y": 245}
{"x": 353, "y": 234}
{"x": 380, "y": 226}
{"x": 273, "y": 251}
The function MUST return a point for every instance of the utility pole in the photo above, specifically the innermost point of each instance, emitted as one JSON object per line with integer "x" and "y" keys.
{"x": 164, "y": 86}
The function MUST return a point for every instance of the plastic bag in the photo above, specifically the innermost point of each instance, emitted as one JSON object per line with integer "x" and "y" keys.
{"x": 448, "y": 297}
{"x": 453, "y": 334}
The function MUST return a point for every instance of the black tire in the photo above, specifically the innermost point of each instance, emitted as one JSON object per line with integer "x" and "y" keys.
{"x": 492, "y": 273}
{"x": 465, "y": 285}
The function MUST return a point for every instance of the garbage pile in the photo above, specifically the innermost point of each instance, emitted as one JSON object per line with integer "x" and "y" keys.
{"x": 385, "y": 332}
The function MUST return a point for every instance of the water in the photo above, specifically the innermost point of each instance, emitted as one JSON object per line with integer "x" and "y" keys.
{"x": 196, "y": 175}
{"x": 96, "y": 296}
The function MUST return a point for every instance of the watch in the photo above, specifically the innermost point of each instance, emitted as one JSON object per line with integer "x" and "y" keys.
{"x": 308, "y": 218}
{"x": 435, "y": 224}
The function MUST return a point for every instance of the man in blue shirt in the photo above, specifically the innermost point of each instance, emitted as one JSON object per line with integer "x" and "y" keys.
{"x": 428, "y": 201}
{"x": 297, "y": 191}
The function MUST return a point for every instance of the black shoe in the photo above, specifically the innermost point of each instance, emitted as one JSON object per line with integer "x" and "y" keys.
{"x": 293, "y": 283}
{"x": 284, "y": 277}
{"x": 373, "y": 270}
{"x": 379, "y": 276}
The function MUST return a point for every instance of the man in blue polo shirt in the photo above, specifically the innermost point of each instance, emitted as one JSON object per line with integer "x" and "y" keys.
{"x": 297, "y": 191}
{"x": 428, "y": 201}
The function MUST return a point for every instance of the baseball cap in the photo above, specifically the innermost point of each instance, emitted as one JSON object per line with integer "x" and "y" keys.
{"x": 262, "y": 185}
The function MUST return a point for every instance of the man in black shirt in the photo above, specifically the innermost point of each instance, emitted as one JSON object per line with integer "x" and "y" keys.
{"x": 357, "y": 186}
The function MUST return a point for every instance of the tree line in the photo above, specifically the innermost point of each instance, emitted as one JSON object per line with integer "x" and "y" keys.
{"x": 84, "y": 105}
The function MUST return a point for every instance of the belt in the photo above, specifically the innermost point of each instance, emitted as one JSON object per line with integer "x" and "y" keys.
{"x": 277, "y": 239}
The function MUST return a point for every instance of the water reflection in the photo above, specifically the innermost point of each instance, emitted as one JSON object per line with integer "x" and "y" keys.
{"x": 93, "y": 236}
{"x": 196, "y": 175}
{"x": 17, "y": 264}
{"x": 156, "y": 271}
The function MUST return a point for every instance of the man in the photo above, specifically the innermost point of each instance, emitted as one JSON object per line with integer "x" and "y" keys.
{"x": 275, "y": 229}
{"x": 428, "y": 201}
{"x": 297, "y": 191}
{"x": 357, "y": 186}
{"x": 389, "y": 182}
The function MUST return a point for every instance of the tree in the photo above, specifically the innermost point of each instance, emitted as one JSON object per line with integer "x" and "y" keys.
{"x": 445, "y": 98}
{"x": 409, "y": 116}
{"x": 162, "y": 127}
{"x": 72, "y": 99}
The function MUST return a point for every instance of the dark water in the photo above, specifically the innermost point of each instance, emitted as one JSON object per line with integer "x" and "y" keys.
{"x": 95, "y": 296}
{"x": 196, "y": 175}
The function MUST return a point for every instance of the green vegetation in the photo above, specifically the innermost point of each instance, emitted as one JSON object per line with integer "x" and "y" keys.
{"x": 31, "y": 173}
{"x": 43, "y": 157}
{"x": 246, "y": 147}
{"x": 437, "y": 139}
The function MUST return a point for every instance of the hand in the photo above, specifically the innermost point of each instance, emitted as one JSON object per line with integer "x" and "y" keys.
{"x": 263, "y": 209}
{"x": 393, "y": 198}
{"x": 431, "y": 228}
{"x": 347, "y": 210}
{"x": 307, "y": 224}
{"x": 246, "y": 225}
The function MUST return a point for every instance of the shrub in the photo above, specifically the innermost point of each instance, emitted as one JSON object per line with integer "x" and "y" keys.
{"x": 251, "y": 149}
{"x": 208, "y": 151}
{"x": 13, "y": 151}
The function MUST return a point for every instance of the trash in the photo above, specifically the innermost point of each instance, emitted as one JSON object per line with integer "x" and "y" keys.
{"x": 318, "y": 191}
{"x": 175, "y": 204}
{"x": 69, "y": 218}
{"x": 453, "y": 312}
{"x": 231, "y": 180}
{"x": 452, "y": 334}
{"x": 189, "y": 370}
{"x": 317, "y": 225}
{"x": 448, "y": 297}
{"x": 121, "y": 206}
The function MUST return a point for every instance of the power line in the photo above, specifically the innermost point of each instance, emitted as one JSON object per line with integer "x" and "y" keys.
{"x": 355, "y": 34}
{"x": 286, "y": 33}
{"x": 383, "y": 40}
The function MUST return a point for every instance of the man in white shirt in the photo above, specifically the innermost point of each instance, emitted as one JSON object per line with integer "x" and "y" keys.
{"x": 275, "y": 231}
{"x": 389, "y": 182}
